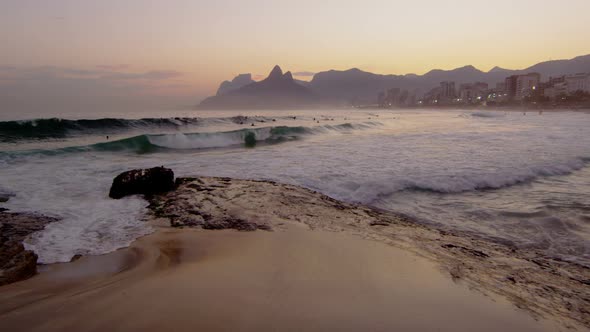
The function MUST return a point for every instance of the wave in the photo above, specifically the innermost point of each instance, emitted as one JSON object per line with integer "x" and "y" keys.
{"x": 58, "y": 128}
{"x": 376, "y": 190}
{"x": 149, "y": 143}
{"x": 38, "y": 129}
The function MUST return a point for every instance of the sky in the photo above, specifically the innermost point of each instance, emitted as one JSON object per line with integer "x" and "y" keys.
{"x": 174, "y": 53}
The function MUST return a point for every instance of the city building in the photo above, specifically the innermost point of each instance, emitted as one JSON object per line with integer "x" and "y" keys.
{"x": 392, "y": 97}
{"x": 510, "y": 86}
{"x": 447, "y": 90}
{"x": 556, "y": 86}
{"x": 577, "y": 82}
{"x": 526, "y": 85}
{"x": 472, "y": 92}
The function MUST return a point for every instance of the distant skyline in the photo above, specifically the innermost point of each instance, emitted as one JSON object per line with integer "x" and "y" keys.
{"x": 177, "y": 52}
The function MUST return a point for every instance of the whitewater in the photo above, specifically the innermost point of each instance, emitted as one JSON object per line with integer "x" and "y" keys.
{"x": 517, "y": 178}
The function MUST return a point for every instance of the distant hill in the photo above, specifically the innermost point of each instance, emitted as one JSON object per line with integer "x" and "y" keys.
{"x": 576, "y": 65}
{"x": 335, "y": 87}
{"x": 238, "y": 82}
{"x": 362, "y": 87}
{"x": 278, "y": 90}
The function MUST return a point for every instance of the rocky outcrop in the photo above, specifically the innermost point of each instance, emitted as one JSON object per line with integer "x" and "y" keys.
{"x": 192, "y": 205}
{"x": 544, "y": 286}
{"x": 16, "y": 263}
{"x": 142, "y": 181}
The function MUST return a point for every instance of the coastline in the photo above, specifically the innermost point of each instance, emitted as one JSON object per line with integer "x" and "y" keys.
{"x": 294, "y": 266}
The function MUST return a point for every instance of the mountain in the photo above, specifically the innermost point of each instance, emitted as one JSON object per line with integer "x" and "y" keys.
{"x": 360, "y": 87}
{"x": 238, "y": 82}
{"x": 278, "y": 90}
{"x": 355, "y": 85}
{"x": 350, "y": 85}
{"x": 576, "y": 65}
{"x": 343, "y": 87}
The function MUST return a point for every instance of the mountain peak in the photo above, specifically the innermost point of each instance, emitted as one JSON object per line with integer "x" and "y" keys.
{"x": 288, "y": 76}
{"x": 497, "y": 69}
{"x": 467, "y": 68}
{"x": 276, "y": 72}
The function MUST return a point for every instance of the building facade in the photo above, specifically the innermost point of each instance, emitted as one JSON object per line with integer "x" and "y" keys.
{"x": 526, "y": 85}
{"x": 448, "y": 91}
{"x": 577, "y": 82}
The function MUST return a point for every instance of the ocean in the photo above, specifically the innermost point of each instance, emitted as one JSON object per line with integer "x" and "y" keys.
{"x": 512, "y": 177}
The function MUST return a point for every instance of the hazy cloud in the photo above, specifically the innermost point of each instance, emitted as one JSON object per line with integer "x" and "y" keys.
{"x": 150, "y": 75}
{"x": 45, "y": 88}
{"x": 304, "y": 73}
{"x": 113, "y": 67}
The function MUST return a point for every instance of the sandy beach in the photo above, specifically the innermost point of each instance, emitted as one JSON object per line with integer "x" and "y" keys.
{"x": 314, "y": 264}
{"x": 186, "y": 280}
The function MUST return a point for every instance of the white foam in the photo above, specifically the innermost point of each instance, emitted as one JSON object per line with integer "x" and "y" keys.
{"x": 435, "y": 151}
{"x": 205, "y": 140}
{"x": 74, "y": 189}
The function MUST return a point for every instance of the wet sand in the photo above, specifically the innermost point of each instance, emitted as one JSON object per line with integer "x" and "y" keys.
{"x": 293, "y": 279}
{"x": 294, "y": 259}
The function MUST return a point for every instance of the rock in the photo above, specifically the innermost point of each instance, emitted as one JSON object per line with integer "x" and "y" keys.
{"x": 231, "y": 223}
{"x": 142, "y": 181}
{"x": 75, "y": 257}
{"x": 16, "y": 263}
{"x": 5, "y": 196}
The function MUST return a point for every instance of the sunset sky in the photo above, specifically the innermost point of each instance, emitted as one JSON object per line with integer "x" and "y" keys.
{"x": 181, "y": 50}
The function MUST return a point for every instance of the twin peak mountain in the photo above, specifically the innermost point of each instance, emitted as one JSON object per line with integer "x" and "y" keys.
{"x": 278, "y": 90}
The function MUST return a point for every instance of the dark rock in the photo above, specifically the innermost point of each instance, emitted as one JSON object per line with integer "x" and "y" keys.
{"x": 142, "y": 181}
{"x": 230, "y": 223}
{"x": 16, "y": 263}
{"x": 75, "y": 257}
{"x": 180, "y": 181}
{"x": 379, "y": 223}
{"x": 469, "y": 251}
{"x": 5, "y": 196}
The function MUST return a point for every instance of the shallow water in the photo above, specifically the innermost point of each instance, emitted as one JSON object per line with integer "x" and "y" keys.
{"x": 522, "y": 179}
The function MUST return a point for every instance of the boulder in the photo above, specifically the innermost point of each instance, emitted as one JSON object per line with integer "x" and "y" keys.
{"x": 142, "y": 181}
{"x": 5, "y": 196}
{"x": 16, "y": 263}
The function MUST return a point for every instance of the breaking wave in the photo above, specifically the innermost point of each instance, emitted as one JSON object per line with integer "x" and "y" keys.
{"x": 57, "y": 128}
{"x": 149, "y": 143}
{"x": 375, "y": 190}
{"x": 38, "y": 129}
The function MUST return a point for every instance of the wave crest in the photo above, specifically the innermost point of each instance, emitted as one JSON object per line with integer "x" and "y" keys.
{"x": 60, "y": 128}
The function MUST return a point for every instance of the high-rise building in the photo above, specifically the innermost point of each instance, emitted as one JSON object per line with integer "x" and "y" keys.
{"x": 526, "y": 85}
{"x": 520, "y": 86}
{"x": 392, "y": 96}
{"x": 510, "y": 86}
{"x": 447, "y": 90}
{"x": 381, "y": 99}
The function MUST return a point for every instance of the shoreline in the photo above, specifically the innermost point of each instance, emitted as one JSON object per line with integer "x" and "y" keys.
{"x": 547, "y": 290}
